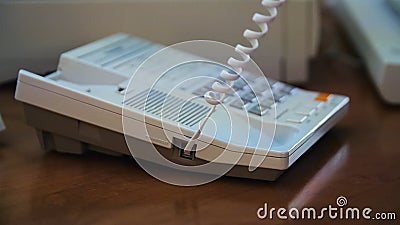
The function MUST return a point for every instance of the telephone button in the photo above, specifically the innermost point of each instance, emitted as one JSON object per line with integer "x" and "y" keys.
{"x": 323, "y": 97}
{"x": 314, "y": 104}
{"x": 296, "y": 118}
{"x": 305, "y": 110}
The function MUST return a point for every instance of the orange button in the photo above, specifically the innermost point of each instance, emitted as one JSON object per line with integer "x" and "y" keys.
{"x": 323, "y": 97}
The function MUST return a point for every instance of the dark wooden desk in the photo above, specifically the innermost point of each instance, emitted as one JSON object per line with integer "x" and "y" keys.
{"x": 358, "y": 159}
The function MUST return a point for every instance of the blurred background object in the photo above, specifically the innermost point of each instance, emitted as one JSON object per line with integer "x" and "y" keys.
{"x": 36, "y": 32}
{"x": 2, "y": 126}
{"x": 374, "y": 28}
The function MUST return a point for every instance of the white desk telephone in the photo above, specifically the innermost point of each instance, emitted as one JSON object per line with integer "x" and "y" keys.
{"x": 93, "y": 102}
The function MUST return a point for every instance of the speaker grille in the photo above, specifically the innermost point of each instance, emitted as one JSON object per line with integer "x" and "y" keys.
{"x": 169, "y": 107}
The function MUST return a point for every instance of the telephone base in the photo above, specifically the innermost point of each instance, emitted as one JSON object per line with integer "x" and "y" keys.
{"x": 67, "y": 135}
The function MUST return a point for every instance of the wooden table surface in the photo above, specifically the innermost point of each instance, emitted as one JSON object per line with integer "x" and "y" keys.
{"x": 358, "y": 159}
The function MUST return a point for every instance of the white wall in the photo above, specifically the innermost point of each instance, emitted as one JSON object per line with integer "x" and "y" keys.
{"x": 34, "y": 33}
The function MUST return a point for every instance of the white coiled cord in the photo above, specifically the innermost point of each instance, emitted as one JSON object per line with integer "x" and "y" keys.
{"x": 217, "y": 96}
